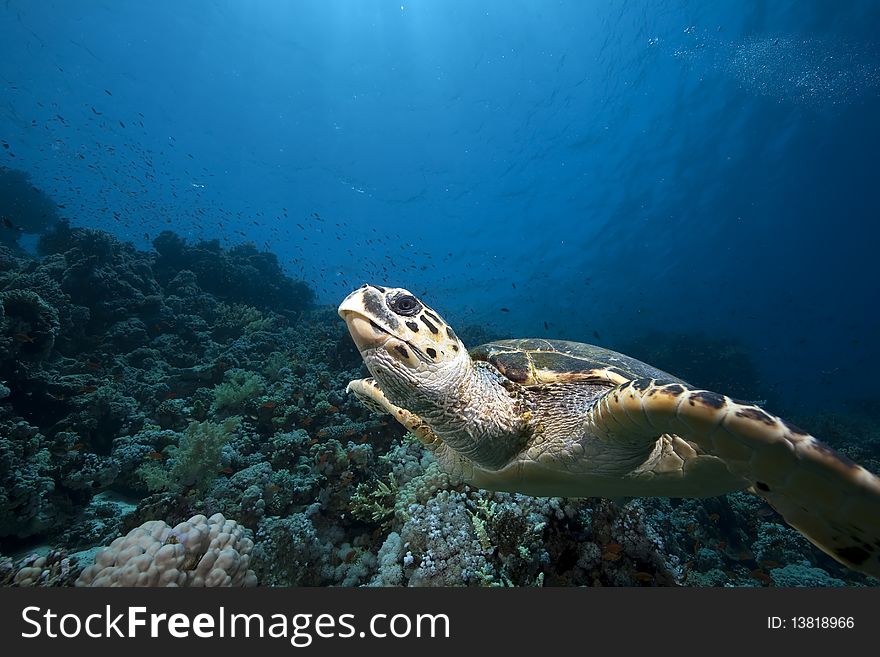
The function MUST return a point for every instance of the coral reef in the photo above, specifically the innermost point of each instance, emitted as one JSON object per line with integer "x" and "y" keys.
{"x": 141, "y": 391}
{"x": 240, "y": 275}
{"x": 199, "y": 552}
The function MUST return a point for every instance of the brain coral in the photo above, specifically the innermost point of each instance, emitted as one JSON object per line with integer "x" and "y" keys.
{"x": 198, "y": 552}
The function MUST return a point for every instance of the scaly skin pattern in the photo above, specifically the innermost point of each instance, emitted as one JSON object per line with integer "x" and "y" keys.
{"x": 832, "y": 501}
{"x": 420, "y": 365}
{"x": 586, "y": 433}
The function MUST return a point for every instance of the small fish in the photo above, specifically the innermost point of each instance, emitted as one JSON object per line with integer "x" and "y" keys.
{"x": 227, "y": 470}
{"x": 714, "y": 517}
{"x": 505, "y": 310}
{"x": 546, "y": 326}
{"x": 156, "y": 456}
{"x": 596, "y": 335}
{"x": 643, "y": 576}
{"x": 107, "y": 92}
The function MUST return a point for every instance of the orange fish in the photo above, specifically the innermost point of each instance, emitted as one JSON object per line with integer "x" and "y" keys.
{"x": 156, "y": 456}
{"x": 643, "y": 576}
{"x": 611, "y": 552}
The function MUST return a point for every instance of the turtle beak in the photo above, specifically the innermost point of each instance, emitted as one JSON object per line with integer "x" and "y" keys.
{"x": 366, "y": 334}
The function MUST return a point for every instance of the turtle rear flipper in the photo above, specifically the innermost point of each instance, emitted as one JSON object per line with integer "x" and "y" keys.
{"x": 832, "y": 501}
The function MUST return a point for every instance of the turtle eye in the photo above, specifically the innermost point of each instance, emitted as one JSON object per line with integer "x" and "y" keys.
{"x": 405, "y": 304}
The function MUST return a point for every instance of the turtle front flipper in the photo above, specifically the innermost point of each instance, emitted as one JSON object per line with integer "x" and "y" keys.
{"x": 370, "y": 395}
{"x": 832, "y": 501}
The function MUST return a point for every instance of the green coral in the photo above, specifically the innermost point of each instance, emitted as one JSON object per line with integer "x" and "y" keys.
{"x": 275, "y": 365}
{"x": 196, "y": 460}
{"x": 240, "y": 386}
{"x": 484, "y": 513}
{"x": 239, "y": 319}
{"x": 375, "y": 504}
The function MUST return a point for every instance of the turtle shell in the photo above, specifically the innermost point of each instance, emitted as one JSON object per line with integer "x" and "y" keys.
{"x": 534, "y": 361}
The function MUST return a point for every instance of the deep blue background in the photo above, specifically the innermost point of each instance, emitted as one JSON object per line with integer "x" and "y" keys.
{"x": 601, "y": 166}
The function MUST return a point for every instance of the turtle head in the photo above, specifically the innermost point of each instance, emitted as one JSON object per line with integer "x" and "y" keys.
{"x": 407, "y": 346}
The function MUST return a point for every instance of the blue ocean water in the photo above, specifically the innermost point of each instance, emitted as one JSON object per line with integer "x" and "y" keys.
{"x": 599, "y": 166}
{"x": 672, "y": 179}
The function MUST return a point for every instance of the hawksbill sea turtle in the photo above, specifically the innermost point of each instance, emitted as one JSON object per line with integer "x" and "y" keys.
{"x": 559, "y": 418}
